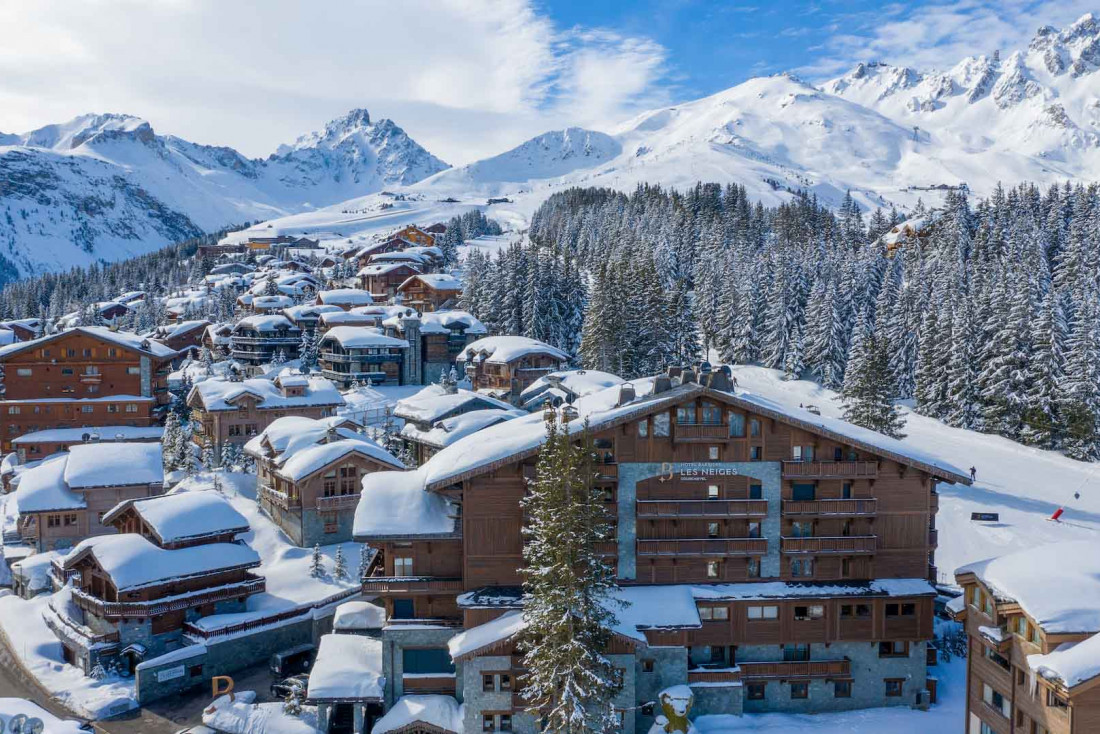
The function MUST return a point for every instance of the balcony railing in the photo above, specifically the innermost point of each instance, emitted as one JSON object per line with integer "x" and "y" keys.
{"x": 415, "y": 621}
{"x": 845, "y": 545}
{"x": 704, "y": 547}
{"x": 830, "y": 469}
{"x": 410, "y": 585}
{"x": 277, "y": 498}
{"x": 425, "y": 683}
{"x": 264, "y": 341}
{"x": 850, "y": 507}
{"x": 702, "y": 508}
{"x": 732, "y": 676}
{"x": 62, "y": 626}
{"x": 338, "y": 502}
{"x": 701, "y": 432}
{"x": 142, "y": 609}
{"x": 803, "y": 669}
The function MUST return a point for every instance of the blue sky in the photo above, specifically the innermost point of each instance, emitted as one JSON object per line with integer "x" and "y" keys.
{"x": 466, "y": 78}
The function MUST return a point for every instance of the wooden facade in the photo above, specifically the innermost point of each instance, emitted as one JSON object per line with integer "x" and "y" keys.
{"x": 1002, "y": 693}
{"x": 383, "y": 279}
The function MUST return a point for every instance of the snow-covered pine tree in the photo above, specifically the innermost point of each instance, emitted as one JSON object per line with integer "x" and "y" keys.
{"x": 292, "y": 704}
{"x": 340, "y": 566}
{"x": 309, "y": 351}
{"x": 316, "y": 563}
{"x": 868, "y": 390}
{"x": 365, "y": 556}
{"x": 568, "y": 590}
{"x": 1079, "y": 390}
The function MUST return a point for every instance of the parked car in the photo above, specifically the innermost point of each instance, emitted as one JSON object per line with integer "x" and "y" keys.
{"x": 292, "y": 661}
{"x": 281, "y": 689}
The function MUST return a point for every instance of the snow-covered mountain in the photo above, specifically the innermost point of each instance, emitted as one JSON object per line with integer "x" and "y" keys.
{"x": 104, "y": 187}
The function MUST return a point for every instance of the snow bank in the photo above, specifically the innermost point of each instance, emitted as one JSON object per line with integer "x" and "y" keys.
{"x": 243, "y": 716}
{"x": 10, "y": 707}
{"x": 359, "y": 615}
{"x": 347, "y": 667}
{"x": 1072, "y": 663}
{"x": 395, "y": 504}
{"x": 443, "y": 712}
{"x": 42, "y": 488}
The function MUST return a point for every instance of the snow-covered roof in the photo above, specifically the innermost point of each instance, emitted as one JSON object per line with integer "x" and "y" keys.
{"x": 447, "y": 431}
{"x": 1057, "y": 585}
{"x": 347, "y": 318}
{"x": 133, "y": 562}
{"x": 291, "y": 433}
{"x": 1071, "y": 663}
{"x": 123, "y": 339}
{"x": 184, "y": 515}
{"x": 217, "y": 394}
{"x": 434, "y": 403}
{"x": 114, "y": 464}
{"x": 348, "y": 668}
{"x": 394, "y": 504}
{"x": 441, "y": 322}
{"x": 42, "y": 488}
{"x": 576, "y": 382}
{"x": 442, "y": 712}
{"x": 477, "y": 638}
{"x": 312, "y": 459}
{"x": 359, "y": 615}
{"x": 170, "y": 331}
{"x": 272, "y": 302}
{"x": 309, "y": 310}
{"x": 35, "y": 569}
{"x": 351, "y": 296}
{"x": 505, "y": 349}
{"x": 362, "y": 337}
{"x": 400, "y": 256}
{"x": 104, "y": 433}
{"x": 435, "y": 281}
{"x": 789, "y": 590}
{"x": 265, "y": 322}
{"x": 383, "y": 268}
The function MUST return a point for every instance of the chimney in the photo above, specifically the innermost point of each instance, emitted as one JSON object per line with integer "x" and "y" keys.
{"x": 675, "y": 372}
{"x": 719, "y": 381}
{"x": 687, "y": 376}
{"x": 626, "y": 393}
{"x": 569, "y": 413}
{"x": 662, "y": 384}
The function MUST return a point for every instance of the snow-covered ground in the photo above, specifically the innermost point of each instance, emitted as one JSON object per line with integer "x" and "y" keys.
{"x": 1025, "y": 485}
{"x": 10, "y": 707}
{"x": 244, "y": 716}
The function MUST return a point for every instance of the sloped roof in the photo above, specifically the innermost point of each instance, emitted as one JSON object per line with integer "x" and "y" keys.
{"x": 124, "y": 339}
{"x": 218, "y": 394}
{"x": 184, "y": 515}
{"x": 114, "y": 464}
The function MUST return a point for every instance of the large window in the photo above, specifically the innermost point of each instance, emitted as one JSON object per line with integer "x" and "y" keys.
{"x": 808, "y": 612}
{"x": 403, "y": 609}
{"x": 763, "y": 612}
{"x": 737, "y": 425}
{"x": 995, "y": 700}
{"x": 714, "y": 613}
{"x": 796, "y": 652}
{"x": 427, "y": 660}
{"x": 402, "y": 566}
{"x": 803, "y": 492}
{"x": 802, "y": 567}
{"x": 712, "y": 414}
{"x": 661, "y": 425}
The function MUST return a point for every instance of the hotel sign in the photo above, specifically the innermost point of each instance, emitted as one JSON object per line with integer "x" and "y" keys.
{"x": 694, "y": 472}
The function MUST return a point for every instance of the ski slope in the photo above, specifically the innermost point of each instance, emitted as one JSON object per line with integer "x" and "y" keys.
{"x": 1025, "y": 485}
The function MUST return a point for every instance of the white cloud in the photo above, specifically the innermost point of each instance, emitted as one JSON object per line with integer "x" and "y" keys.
{"x": 935, "y": 35}
{"x": 466, "y": 78}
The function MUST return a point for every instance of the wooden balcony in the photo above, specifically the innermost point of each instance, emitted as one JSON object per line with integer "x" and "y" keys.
{"x": 702, "y": 508}
{"x": 63, "y": 627}
{"x": 796, "y": 669}
{"x": 425, "y": 683}
{"x": 277, "y": 498}
{"x": 704, "y": 547}
{"x": 730, "y": 676}
{"x": 839, "y": 507}
{"x": 411, "y": 585}
{"x": 700, "y": 432}
{"x": 830, "y": 469}
{"x": 842, "y": 545}
{"x": 338, "y": 502}
{"x": 152, "y": 608}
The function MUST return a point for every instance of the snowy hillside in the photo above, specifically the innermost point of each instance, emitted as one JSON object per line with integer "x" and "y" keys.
{"x": 106, "y": 187}
{"x": 1025, "y": 485}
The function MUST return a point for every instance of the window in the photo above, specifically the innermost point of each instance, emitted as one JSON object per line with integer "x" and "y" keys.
{"x": 763, "y": 612}
{"x": 754, "y": 427}
{"x": 70, "y": 520}
{"x": 25, "y": 371}
{"x": 91, "y": 369}
{"x": 994, "y": 699}
{"x": 901, "y": 610}
{"x": 53, "y": 521}
{"x": 802, "y": 529}
{"x": 88, "y": 352}
{"x": 86, "y": 409}
{"x": 13, "y": 410}
{"x": 661, "y": 425}
{"x": 796, "y": 652}
{"x": 93, "y": 388}
{"x": 647, "y": 666}
{"x": 427, "y": 660}
{"x": 846, "y": 491}
{"x": 800, "y": 690}
{"x": 755, "y": 453}
{"x": 505, "y": 682}
{"x": 753, "y": 568}
{"x": 803, "y": 492}
{"x": 487, "y": 722}
{"x": 712, "y": 492}
{"x": 756, "y": 491}
{"x": 1056, "y": 701}
{"x": 842, "y": 689}
{"x": 402, "y": 566}
{"x": 714, "y": 613}
{"x": 403, "y": 609}
{"x": 66, "y": 371}
{"x": 796, "y": 453}
{"x": 845, "y": 568}
{"x": 894, "y": 649}
{"x": 755, "y": 691}
{"x": 112, "y": 407}
{"x": 737, "y": 425}
{"x": 713, "y": 529}
{"x": 712, "y": 569}
{"x": 505, "y": 722}
{"x": 893, "y": 687}
{"x": 70, "y": 352}
{"x": 754, "y": 530}
{"x": 685, "y": 414}
{"x": 643, "y": 429}
{"x": 195, "y": 671}
{"x": 133, "y": 370}
{"x": 712, "y": 453}
{"x": 712, "y": 414}
{"x": 234, "y": 431}
{"x": 802, "y": 567}
{"x": 808, "y": 612}
{"x": 488, "y": 682}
